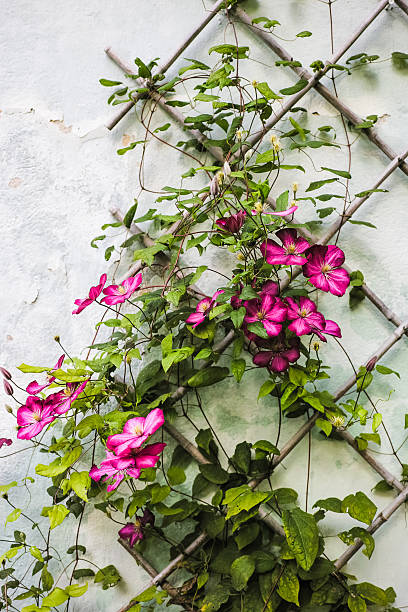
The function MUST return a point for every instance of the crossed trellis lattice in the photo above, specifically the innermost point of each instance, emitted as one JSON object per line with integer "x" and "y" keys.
{"x": 397, "y": 161}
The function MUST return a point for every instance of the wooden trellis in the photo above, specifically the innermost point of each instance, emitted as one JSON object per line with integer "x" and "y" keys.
{"x": 397, "y": 161}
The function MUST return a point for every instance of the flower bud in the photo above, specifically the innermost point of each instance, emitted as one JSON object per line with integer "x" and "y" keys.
{"x": 371, "y": 363}
{"x": 226, "y": 169}
{"x": 248, "y": 155}
{"x": 274, "y": 139}
{"x": 5, "y": 373}
{"x": 8, "y": 409}
{"x": 295, "y": 187}
{"x": 316, "y": 347}
{"x": 57, "y": 338}
{"x": 240, "y": 256}
{"x": 220, "y": 177}
{"x": 277, "y": 146}
{"x": 8, "y": 388}
{"x": 255, "y": 84}
{"x": 238, "y": 135}
{"x": 214, "y": 187}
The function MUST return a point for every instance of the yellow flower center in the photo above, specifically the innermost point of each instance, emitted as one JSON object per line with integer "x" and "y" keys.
{"x": 291, "y": 248}
{"x": 303, "y": 312}
{"x": 326, "y": 268}
{"x": 121, "y": 289}
{"x": 36, "y": 416}
{"x": 260, "y": 315}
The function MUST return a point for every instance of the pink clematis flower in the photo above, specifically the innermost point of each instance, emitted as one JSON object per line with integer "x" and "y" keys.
{"x": 304, "y": 316}
{"x": 233, "y": 223}
{"x": 35, "y": 415}
{"x": 269, "y": 311}
{"x": 68, "y": 396}
{"x": 133, "y": 532}
{"x": 5, "y": 442}
{"x": 324, "y": 271}
{"x": 130, "y": 464}
{"x": 117, "y": 294}
{"x": 94, "y": 293}
{"x": 290, "y": 253}
{"x": 270, "y": 288}
{"x": 282, "y": 354}
{"x": 282, "y": 213}
{"x": 135, "y": 432}
{"x": 330, "y": 328}
{"x": 36, "y": 387}
{"x": 203, "y": 309}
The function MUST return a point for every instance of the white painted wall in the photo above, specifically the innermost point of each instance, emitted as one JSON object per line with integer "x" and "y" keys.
{"x": 60, "y": 174}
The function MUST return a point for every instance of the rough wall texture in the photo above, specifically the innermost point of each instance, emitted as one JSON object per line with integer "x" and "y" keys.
{"x": 60, "y": 174}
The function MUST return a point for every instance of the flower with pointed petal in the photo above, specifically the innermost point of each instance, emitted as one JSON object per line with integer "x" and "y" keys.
{"x": 330, "y": 328}
{"x": 36, "y": 387}
{"x": 276, "y": 213}
{"x": 282, "y": 353}
{"x": 5, "y": 442}
{"x": 133, "y": 532}
{"x": 269, "y": 311}
{"x": 135, "y": 432}
{"x": 323, "y": 269}
{"x": 94, "y": 293}
{"x": 68, "y": 396}
{"x": 233, "y": 223}
{"x": 304, "y": 316}
{"x": 203, "y": 309}
{"x": 290, "y": 253}
{"x": 35, "y": 415}
{"x": 117, "y": 294}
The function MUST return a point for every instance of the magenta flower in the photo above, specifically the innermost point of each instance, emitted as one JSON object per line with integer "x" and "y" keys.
{"x": 5, "y": 442}
{"x": 282, "y": 213}
{"x": 304, "y": 316}
{"x": 117, "y": 294}
{"x": 330, "y": 328}
{"x": 203, "y": 309}
{"x": 35, "y": 415}
{"x": 115, "y": 468}
{"x": 281, "y": 354}
{"x": 36, "y": 387}
{"x": 94, "y": 293}
{"x": 133, "y": 532}
{"x": 270, "y": 288}
{"x": 135, "y": 432}
{"x": 233, "y": 223}
{"x": 290, "y": 253}
{"x": 68, "y": 396}
{"x": 269, "y": 311}
{"x": 324, "y": 271}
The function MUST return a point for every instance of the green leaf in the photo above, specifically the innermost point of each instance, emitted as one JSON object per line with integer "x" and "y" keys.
{"x": 55, "y": 598}
{"x": 226, "y": 49}
{"x": 384, "y": 370}
{"x": 108, "y": 83}
{"x": 241, "y": 571}
{"x": 349, "y": 537}
{"x": 80, "y": 483}
{"x": 356, "y": 603}
{"x": 6, "y": 488}
{"x": 238, "y": 368}
{"x": 360, "y": 507}
{"x": 60, "y": 465}
{"x": 208, "y": 376}
{"x": 237, "y": 317}
{"x": 362, "y": 194}
{"x": 342, "y": 173}
{"x": 317, "y": 184}
{"x": 304, "y": 34}
{"x": 267, "y": 388}
{"x": 247, "y": 535}
{"x": 258, "y": 329}
{"x": 377, "y": 420}
{"x": 267, "y": 92}
{"x": 288, "y": 586}
{"x": 267, "y": 447}
{"x": 331, "y": 503}
{"x": 27, "y": 369}
{"x": 242, "y": 498}
{"x": 130, "y": 215}
{"x": 242, "y": 457}
{"x": 288, "y": 91}
{"x": 297, "y": 376}
{"x": 56, "y": 514}
{"x": 76, "y": 590}
{"x": 13, "y": 516}
{"x": 109, "y": 576}
{"x": 302, "y": 536}
{"x": 214, "y": 473}
{"x": 366, "y": 223}
{"x": 325, "y": 426}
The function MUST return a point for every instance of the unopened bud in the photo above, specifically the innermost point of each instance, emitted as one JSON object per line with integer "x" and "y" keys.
{"x": 255, "y": 84}
{"x": 220, "y": 177}
{"x": 258, "y": 206}
{"x": 277, "y": 146}
{"x": 274, "y": 139}
{"x": 240, "y": 256}
{"x": 128, "y": 358}
{"x": 370, "y": 365}
{"x": 295, "y": 187}
{"x": 57, "y": 338}
{"x": 226, "y": 169}
{"x": 5, "y": 373}
{"x": 316, "y": 346}
{"x": 8, "y": 409}
{"x": 8, "y": 388}
{"x": 238, "y": 135}
{"x": 248, "y": 155}
{"x": 214, "y": 187}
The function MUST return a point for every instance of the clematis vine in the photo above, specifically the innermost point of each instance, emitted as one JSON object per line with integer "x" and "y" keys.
{"x": 35, "y": 387}
{"x": 269, "y": 311}
{"x": 233, "y": 223}
{"x": 135, "y": 432}
{"x": 203, "y": 309}
{"x": 68, "y": 396}
{"x": 94, "y": 293}
{"x": 291, "y": 251}
{"x": 280, "y": 354}
{"x": 35, "y": 415}
{"x": 117, "y": 294}
{"x": 323, "y": 269}
{"x": 116, "y": 467}
{"x": 133, "y": 532}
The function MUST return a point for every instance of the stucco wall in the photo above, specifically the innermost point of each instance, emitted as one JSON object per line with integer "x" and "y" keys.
{"x": 60, "y": 174}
